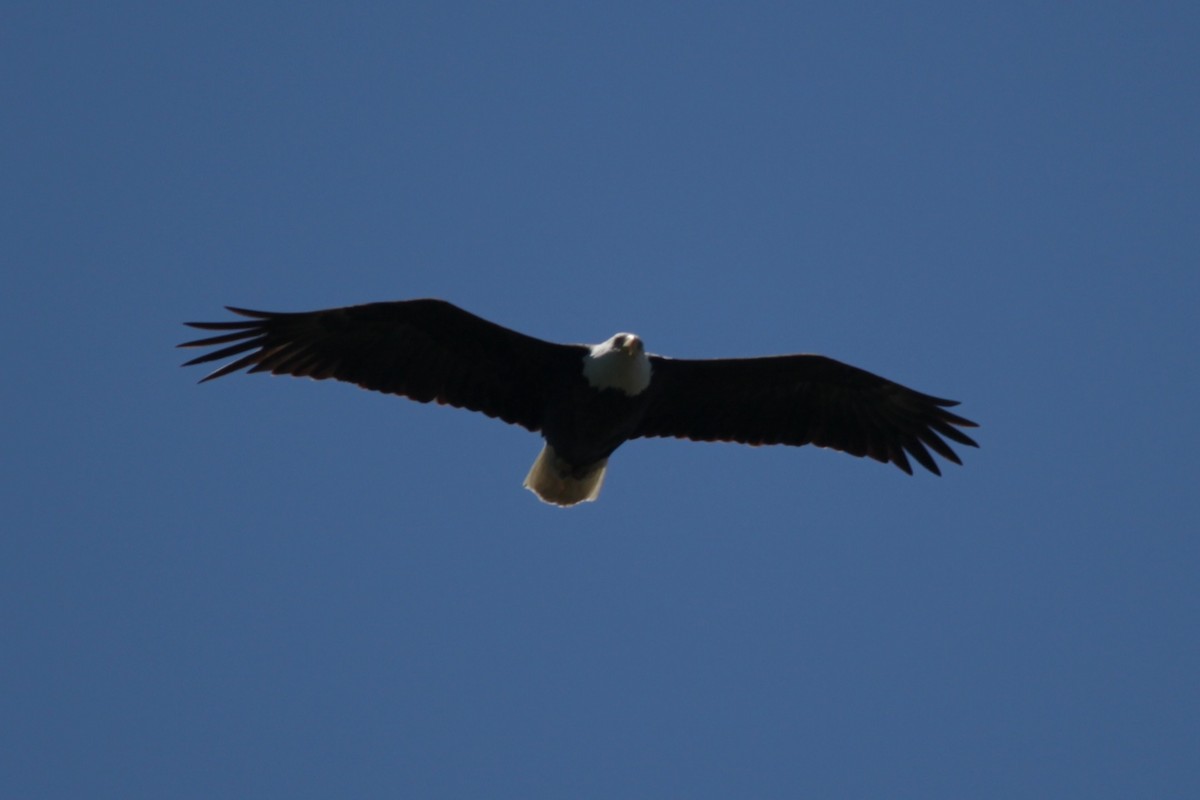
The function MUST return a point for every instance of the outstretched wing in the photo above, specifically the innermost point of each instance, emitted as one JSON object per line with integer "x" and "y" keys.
{"x": 798, "y": 400}
{"x": 426, "y": 350}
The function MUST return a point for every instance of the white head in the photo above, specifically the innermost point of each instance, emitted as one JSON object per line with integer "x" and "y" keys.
{"x": 619, "y": 363}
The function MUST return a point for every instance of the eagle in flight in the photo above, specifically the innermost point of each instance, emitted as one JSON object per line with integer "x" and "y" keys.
{"x": 586, "y": 400}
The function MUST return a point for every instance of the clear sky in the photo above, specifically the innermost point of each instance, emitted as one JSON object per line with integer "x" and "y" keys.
{"x": 269, "y": 587}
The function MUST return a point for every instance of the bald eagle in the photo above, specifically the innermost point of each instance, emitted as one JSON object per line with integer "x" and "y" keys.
{"x": 586, "y": 400}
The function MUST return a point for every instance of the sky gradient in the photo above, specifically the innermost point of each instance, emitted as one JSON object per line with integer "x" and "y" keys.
{"x": 269, "y": 587}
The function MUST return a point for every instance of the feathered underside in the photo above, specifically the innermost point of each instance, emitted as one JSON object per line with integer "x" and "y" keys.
{"x": 430, "y": 350}
{"x": 798, "y": 400}
{"x": 426, "y": 350}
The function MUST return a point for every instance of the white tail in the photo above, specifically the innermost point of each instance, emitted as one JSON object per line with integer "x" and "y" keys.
{"x": 551, "y": 480}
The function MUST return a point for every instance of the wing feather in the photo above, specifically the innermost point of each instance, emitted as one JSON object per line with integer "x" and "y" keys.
{"x": 422, "y": 349}
{"x": 798, "y": 400}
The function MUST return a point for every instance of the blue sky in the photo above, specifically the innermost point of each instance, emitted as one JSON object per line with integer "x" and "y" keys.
{"x": 273, "y": 587}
